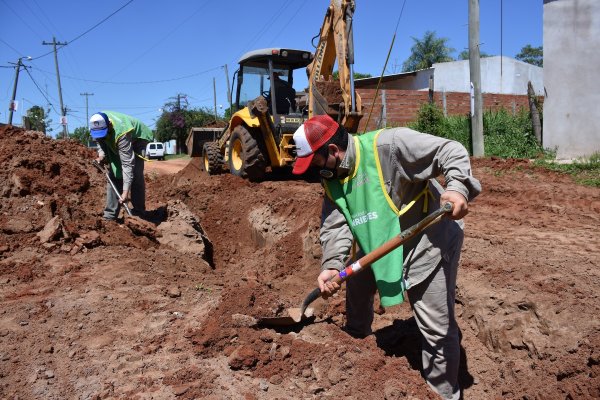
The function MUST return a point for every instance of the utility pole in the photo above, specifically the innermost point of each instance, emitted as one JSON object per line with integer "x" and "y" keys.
{"x": 11, "y": 109}
{"x": 179, "y": 129}
{"x": 228, "y": 89}
{"x": 215, "y": 97}
{"x": 87, "y": 117}
{"x": 54, "y": 43}
{"x": 475, "y": 74}
{"x": 501, "y": 23}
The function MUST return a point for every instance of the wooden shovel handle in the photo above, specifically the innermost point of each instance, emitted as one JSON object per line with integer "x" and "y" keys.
{"x": 365, "y": 262}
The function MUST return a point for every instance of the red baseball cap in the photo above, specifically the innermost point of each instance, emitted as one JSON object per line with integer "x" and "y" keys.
{"x": 309, "y": 137}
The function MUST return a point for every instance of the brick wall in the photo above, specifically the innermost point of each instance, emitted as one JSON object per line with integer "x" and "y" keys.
{"x": 402, "y": 105}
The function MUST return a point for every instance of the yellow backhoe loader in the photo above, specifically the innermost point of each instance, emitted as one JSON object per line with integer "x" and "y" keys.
{"x": 259, "y": 134}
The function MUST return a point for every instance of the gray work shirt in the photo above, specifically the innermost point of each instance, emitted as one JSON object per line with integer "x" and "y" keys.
{"x": 410, "y": 161}
{"x": 126, "y": 156}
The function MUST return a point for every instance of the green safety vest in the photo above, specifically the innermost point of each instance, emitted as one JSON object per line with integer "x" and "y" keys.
{"x": 122, "y": 125}
{"x": 372, "y": 216}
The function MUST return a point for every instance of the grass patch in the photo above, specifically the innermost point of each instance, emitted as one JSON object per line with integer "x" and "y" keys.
{"x": 176, "y": 156}
{"x": 584, "y": 171}
{"x": 506, "y": 135}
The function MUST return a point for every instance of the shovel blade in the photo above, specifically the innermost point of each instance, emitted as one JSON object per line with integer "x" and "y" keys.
{"x": 294, "y": 316}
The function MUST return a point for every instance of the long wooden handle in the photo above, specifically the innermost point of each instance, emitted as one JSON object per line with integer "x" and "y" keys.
{"x": 395, "y": 242}
{"x": 365, "y": 262}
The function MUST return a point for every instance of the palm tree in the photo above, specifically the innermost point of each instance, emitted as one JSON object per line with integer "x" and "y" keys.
{"x": 427, "y": 51}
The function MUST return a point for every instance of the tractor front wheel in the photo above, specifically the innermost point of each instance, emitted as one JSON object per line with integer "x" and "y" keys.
{"x": 245, "y": 157}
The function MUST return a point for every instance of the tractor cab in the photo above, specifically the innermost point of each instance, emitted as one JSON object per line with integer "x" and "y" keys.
{"x": 270, "y": 73}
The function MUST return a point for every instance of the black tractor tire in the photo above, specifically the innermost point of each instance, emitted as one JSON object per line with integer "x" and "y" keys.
{"x": 212, "y": 158}
{"x": 246, "y": 159}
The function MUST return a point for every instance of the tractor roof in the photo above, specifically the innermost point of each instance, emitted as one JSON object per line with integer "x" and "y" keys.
{"x": 281, "y": 58}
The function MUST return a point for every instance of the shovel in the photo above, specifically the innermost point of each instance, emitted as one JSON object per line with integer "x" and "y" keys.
{"x": 112, "y": 184}
{"x": 296, "y": 315}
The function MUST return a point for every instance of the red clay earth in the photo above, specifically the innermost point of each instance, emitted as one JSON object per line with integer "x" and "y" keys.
{"x": 90, "y": 309}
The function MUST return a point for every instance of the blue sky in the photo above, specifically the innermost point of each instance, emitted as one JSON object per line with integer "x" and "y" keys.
{"x": 151, "y": 50}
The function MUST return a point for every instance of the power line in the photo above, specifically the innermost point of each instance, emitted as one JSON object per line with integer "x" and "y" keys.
{"x": 145, "y": 112}
{"x": 122, "y": 107}
{"x": 36, "y": 17}
{"x": 38, "y": 87}
{"x": 266, "y": 26}
{"x": 122, "y": 7}
{"x": 136, "y": 82}
{"x": 22, "y": 20}
{"x": 47, "y": 19}
{"x": 127, "y": 107}
{"x": 46, "y": 91}
{"x": 12, "y": 48}
{"x": 179, "y": 25}
{"x": 84, "y": 33}
{"x": 288, "y": 23}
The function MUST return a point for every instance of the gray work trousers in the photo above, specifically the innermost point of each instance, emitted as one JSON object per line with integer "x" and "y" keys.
{"x": 137, "y": 189}
{"x": 432, "y": 303}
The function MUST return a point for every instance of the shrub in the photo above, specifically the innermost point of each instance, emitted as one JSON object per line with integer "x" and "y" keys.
{"x": 505, "y": 135}
{"x": 430, "y": 119}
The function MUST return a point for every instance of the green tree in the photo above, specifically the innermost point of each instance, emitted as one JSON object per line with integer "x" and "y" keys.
{"x": 39, "y": 120}
{"x": 532, "y": 55}
{"x": 357, "y": 75}
{"x": 81, "y": 134}
{"x": 464, "y": 55}
{"x": 427, "y": 51}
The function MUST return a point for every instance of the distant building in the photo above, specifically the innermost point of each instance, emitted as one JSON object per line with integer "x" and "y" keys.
{"x": 504, "y": 86}
{"x": 571, "y": 59}
{"x": 501, "y": 75}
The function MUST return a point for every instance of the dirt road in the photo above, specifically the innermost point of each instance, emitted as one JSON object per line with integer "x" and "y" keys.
{"x": 168, "y": 167}
{"x": 101, "y": 310}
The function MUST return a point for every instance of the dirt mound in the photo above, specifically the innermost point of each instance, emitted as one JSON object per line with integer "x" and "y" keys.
{"x": 51, "y": 187}
{"x": 35, "y": 164}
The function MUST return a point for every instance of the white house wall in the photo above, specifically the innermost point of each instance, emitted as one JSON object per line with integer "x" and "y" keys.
{"x": 571, "y": 65}
{"x": 455, "y": 77}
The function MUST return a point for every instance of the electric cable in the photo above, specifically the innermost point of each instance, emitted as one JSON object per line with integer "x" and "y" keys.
{"x": 134, "y": 82}
{"x": 288, "y": 23}
{"x": 158, "y": 42}
{"x": 22, "y": 20}
{"x": 84, "y": 33}
{"x": 38, "y": 88}
{"x": 12, "y": 48}
{"x": 384, "y": 66}
{"x": 47, "y": 19}
{"x": 264, "y": 29}
{"x": 99, "y": 23}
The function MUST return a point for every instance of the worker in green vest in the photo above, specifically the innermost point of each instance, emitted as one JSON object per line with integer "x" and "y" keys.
{"x": 122, "y": 144}
{"x": 375, "y": 185}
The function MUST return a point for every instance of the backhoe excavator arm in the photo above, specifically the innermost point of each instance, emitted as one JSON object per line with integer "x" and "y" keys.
{"x": 338, "y": 99}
